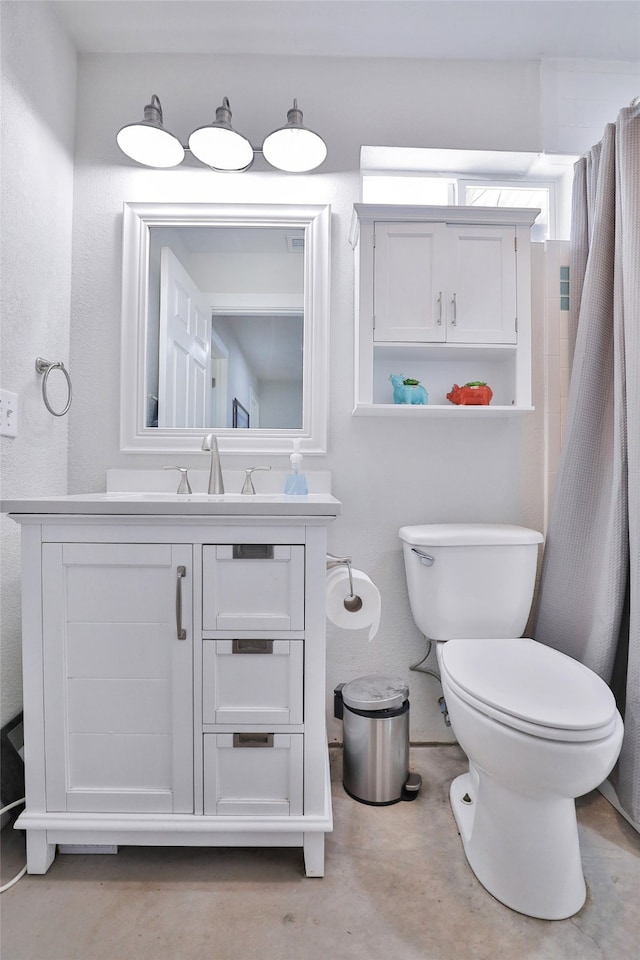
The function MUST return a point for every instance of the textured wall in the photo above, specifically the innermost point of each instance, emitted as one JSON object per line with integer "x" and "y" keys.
{"x": 38, "y": 115}
{"x": 386, "y": 472}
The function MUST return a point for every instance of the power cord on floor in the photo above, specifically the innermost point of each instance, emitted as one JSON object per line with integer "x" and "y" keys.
{"x": 18, "y": 876}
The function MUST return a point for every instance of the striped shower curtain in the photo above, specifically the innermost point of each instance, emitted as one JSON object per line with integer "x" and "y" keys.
{"x": 589, "y": 598}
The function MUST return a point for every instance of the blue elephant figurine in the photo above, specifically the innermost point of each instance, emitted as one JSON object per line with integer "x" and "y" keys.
{"x": 407, "y": 393}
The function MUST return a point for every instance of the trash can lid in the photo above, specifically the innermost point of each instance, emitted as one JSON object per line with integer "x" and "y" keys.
{"x": 375, "y": 693}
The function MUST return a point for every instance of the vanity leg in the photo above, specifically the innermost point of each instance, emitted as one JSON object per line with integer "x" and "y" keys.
{"x": 40, "y": 853}
{"x": 314, "y": 854}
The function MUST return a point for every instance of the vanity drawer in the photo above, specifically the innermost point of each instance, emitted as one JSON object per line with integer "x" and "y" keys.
{"x": 252, "y": 681}
{"x": 253, "y": 774}
{"x": 253, "y": 586}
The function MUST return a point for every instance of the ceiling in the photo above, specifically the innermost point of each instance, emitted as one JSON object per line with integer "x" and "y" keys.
{"x": 439, "y": 29}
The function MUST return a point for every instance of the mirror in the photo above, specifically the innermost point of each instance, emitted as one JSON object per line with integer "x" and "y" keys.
{"x": 224, "y": 327}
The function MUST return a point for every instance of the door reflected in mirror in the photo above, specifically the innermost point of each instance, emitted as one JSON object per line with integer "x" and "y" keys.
{"x": 226, "y": 322}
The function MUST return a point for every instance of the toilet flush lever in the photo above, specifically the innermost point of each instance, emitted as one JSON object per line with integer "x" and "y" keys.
{"x": 425, "y": 558}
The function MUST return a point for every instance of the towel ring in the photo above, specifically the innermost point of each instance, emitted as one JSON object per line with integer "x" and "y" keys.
{"x": 45, "y": 367}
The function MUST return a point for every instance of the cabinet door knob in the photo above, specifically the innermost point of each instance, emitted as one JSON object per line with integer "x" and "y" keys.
{"x": 454, "y": 319}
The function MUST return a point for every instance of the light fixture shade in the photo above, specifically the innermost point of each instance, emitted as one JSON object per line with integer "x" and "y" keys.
{"x": 294, "y": 148}
{"x": 148, "y": 142}
{"x": 219, "y": 145}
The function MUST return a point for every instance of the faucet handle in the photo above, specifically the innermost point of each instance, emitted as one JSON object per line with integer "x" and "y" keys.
{"x": 184, "y": 486}
{"x": 248, "y": 487}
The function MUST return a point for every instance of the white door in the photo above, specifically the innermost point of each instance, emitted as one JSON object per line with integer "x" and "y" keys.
{"x": 184, "y": 382}
{"x": 409, "y": 272}
{"x": 481, "y": 287}
{"x": 118, "y": 677}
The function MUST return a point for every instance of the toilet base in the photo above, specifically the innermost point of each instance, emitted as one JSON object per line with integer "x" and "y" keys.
{"x": 524, "y": 850}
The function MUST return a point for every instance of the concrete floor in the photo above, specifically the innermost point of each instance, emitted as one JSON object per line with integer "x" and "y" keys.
{"x": 397, "y": 887}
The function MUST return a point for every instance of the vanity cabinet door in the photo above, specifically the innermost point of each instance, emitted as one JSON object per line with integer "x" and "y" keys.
{"x": 253, "y": 587}
{"x": 118, "y": 642}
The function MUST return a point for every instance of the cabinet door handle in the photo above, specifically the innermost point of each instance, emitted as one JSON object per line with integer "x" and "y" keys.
{"x": 439, "y": 302}
{"x": 454, "y": 319}
{"x": 253, "y": 739}
{"x": 252, "y": 646}
{"x": 180, "y": 630}
{"x": 252, "y": 551}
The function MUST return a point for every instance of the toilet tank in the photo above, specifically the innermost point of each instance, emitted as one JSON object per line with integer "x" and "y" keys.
{"x": 476, "y": 580}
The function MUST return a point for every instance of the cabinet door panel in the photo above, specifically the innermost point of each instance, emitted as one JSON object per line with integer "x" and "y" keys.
{"x": 119, "y": 762}
{"x": 481, "y": 298}
{"x": 118, "y": 681}
{"x": 119, "y": 706}
{"x": 408, "y": 282}
{"x": 116, "y": 650}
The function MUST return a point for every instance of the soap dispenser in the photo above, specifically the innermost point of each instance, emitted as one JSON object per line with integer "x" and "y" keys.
{"x": 296, "y": 484}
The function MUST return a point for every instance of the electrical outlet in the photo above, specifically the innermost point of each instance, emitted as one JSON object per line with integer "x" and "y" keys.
{"x": 8, "y": 414}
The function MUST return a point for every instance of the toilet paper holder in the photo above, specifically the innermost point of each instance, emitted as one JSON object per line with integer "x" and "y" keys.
{"x": 352, "y": 602}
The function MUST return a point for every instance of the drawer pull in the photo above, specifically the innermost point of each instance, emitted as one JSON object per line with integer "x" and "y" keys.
{"x": 253, "y": 739}
{"x": 252, "y": 646}
{"x": 180, "y": 630}
{"x": 252, "y": 551}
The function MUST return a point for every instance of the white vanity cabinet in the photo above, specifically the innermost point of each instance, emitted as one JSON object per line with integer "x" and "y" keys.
{"x": 174, "y": 677}
{"x": 443, "y": 294}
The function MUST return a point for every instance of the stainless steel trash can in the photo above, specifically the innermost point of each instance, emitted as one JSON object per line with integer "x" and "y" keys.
{"x": 375, "y": 715}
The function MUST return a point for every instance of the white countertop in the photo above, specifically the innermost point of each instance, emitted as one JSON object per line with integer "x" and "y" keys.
{"x": 173, "y": 504}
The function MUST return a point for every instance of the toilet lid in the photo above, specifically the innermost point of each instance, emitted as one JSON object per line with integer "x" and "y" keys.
{"x": 530, "y": 682}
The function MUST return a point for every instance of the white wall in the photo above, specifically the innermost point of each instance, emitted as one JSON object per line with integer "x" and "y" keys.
{"x": 387, "y": 473}
{"x": 580, "y": 97}
{"x": 37, "y": 133}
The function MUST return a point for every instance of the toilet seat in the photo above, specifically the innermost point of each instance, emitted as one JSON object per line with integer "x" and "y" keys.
{"x": 530, "y": 687}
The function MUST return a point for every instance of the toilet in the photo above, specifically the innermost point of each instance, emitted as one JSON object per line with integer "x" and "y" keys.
{"x": 538, "y": 727}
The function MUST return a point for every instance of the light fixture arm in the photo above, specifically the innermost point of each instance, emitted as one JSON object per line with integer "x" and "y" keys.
{"x": 153, "y": 111}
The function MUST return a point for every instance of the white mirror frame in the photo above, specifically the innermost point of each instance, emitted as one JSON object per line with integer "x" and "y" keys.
{"x": 135, "y": 436}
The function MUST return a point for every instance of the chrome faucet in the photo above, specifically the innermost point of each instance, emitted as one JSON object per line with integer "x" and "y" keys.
{"x": 216, "y": 483}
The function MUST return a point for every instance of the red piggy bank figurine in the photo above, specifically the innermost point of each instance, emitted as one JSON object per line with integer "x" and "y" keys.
{"x": 476, "y": 393}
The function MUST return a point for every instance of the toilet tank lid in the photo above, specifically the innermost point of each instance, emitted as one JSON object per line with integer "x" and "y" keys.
{"x": 468, "y": 534}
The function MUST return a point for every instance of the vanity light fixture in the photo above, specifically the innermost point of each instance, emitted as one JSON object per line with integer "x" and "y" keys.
{"x": 219, "y": 145}
{"x": 292, "y": 148}
{"x": 148, "y": 142}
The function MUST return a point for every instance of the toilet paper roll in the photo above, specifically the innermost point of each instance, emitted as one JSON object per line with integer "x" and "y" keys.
{"x": 338, "y": 588}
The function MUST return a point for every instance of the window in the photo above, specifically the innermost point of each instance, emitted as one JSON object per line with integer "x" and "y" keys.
{"x": 410, "y": 189}
{"x": 446, "y": 191}
{"x": 478, "y": 193}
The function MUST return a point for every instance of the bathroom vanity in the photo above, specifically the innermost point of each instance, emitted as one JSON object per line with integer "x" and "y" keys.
{"x": 174, "y": 671}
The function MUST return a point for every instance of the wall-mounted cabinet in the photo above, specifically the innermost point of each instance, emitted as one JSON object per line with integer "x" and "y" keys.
{"x": 443, "y": 295}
